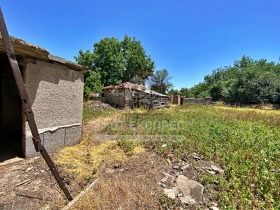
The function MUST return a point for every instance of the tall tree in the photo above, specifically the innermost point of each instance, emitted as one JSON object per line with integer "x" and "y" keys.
{"x": 137, "y": 63}
{"x": 106, "y": 59}
{"x": 161, "y": 81}
{"x": 117, "y": 61}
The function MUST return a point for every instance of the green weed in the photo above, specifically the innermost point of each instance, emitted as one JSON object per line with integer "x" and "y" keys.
{"x": 245, "y": 142}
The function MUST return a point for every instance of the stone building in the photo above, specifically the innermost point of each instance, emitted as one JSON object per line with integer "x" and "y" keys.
{"x": 55, "y": 89}
{"x": 128, "y": 95}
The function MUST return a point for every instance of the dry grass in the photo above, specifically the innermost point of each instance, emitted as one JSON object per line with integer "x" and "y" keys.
{"x": 98, "y": 124}
{"x": 83, "y": 162}
{"x": 245, "y": 109}
{"x": 267, "y": 117}
{"x": 133, "y": 186}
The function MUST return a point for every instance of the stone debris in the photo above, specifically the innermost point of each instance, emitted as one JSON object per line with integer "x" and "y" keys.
{"x": 176, "y": 167}
{"x": 190, "y": 188}
{"x": 168, "y": 180}
{"x": 187, "y": 200}
{"x": 211, "y": 172}
{"x": 217, "y": 169}
{"x": 179, "y": 183}
{"x": 99, "y": 105}
{"x": 171, "y": 193}
{"x": 213, "y": 169}
{"x": 196, "y": 157}
{"x": 185, "y": 167}
{"x": 163, "y": 180}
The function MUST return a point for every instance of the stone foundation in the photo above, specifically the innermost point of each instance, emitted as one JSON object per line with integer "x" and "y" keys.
{"x": 54, "y": 138}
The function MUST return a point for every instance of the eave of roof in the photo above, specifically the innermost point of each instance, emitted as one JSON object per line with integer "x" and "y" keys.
{"x": 28, "y": 50}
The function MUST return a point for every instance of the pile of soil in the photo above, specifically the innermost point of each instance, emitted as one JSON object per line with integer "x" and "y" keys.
{"x": 98, "y": 105}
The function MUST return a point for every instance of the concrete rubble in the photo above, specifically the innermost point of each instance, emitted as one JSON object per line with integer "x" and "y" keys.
{"x": 180, "y": 183}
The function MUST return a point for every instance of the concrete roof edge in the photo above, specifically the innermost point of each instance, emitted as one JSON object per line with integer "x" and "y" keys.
{"x": 25, "y": 49}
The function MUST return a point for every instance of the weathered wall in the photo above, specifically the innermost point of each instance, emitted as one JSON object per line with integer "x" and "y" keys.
{"x": 176, "y": 99}
{"x": 207, "y": 100}
{"x": 115, "y": 97}
{"x": 56, "y": 95}
{"x": 130, "y": 98}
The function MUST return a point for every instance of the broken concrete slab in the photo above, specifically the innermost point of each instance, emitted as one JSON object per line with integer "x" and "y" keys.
{"x": 190, "y": 188}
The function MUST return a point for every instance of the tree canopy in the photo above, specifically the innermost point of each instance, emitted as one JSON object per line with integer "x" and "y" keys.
{"x": 117, "y": 61}
{"x": 247, "y": 81}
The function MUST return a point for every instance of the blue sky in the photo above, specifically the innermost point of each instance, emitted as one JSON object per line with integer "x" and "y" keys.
{"x": 189, "y": 38}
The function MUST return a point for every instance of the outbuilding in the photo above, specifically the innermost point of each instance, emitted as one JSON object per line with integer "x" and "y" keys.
{"x": 129, "y": 95}
{"x": 55, "y": 89}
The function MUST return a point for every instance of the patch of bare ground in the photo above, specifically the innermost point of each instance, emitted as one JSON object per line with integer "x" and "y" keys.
{"x": 29, "y": 184}
{"x": 142, "y": 180}
{"x": 130, "y": 185}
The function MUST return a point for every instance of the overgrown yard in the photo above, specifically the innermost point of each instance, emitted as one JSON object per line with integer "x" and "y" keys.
{"x": 244, "y": 142}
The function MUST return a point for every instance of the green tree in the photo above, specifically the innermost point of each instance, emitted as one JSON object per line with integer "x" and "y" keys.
{"x": 161, "y": 81}
{"x": 117, "y": 61}
{"x": 247, "y": 81}
{"x": 200, "y": 90}
{"x": 137, "y": 63}
{"x": 185, "y": 92}
{"x": 174, "y": 92}
{"x": 92, "y": 84}
{"x": 106, "y": 59}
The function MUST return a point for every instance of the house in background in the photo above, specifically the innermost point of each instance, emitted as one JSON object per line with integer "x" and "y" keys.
{"x": 128, "y": 95}
{"x": 55, "y": 89}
